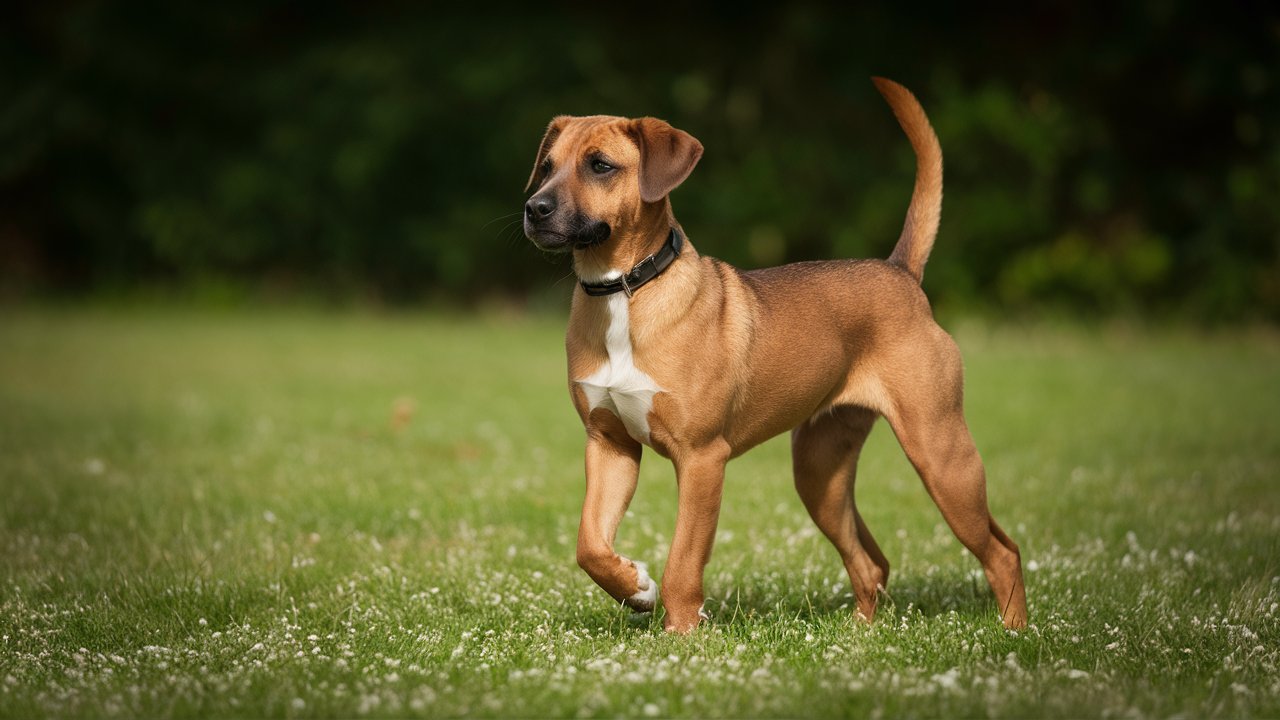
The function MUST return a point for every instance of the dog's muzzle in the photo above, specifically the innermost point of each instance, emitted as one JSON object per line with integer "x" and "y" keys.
{"x": 576, "y": 233}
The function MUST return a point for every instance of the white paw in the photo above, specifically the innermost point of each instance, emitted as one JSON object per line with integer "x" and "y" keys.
{"x": 647, "y": 596}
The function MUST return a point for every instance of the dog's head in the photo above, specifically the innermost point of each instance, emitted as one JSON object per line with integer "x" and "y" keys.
{"x": 594, "y": 175}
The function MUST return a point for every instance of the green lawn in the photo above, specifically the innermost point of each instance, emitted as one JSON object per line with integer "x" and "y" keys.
{"x": 299, "y": 514}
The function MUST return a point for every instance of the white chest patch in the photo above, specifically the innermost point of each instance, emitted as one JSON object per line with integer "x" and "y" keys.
{"x": 618, "y": 385}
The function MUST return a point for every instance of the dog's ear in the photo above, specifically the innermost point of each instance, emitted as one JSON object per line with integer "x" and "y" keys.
{"x": 553, "y": 131}
{"x": 667, "y": 156}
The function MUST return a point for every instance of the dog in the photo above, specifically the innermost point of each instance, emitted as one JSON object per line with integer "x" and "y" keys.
{"x": 700, "y": 362}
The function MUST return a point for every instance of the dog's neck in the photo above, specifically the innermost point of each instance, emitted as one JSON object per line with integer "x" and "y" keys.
{"x": 627, "y": 245}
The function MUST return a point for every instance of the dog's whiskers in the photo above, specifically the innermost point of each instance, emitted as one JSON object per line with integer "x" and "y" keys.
{"x": 502, "y": 217}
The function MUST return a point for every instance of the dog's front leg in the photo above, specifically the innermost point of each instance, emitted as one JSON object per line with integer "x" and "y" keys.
{"x": 700, "y": 475}
{"x": 613, "y": 464}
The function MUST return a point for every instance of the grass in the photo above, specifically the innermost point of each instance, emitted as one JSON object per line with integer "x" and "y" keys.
{"x": 297, "y": 514}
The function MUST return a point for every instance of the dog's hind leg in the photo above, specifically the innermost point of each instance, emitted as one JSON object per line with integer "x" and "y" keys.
{"x": 613, "y": 466}
{"x": 824, "y": 457}
{"x": 937, "y": 441}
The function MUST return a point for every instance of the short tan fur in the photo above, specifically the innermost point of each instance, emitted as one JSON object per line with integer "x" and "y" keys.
{"x": 818, "y": 349}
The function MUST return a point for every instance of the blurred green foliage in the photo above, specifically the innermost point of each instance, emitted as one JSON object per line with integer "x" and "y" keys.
{"x": 1119, "y": 158}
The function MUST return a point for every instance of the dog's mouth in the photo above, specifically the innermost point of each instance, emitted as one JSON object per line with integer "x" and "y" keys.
{"x": 580, "y": 234}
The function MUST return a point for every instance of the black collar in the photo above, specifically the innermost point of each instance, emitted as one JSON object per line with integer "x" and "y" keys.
{"x": 644, "y": 271}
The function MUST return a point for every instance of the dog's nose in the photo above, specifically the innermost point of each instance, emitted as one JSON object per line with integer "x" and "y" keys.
{"x": 539, "y": 207}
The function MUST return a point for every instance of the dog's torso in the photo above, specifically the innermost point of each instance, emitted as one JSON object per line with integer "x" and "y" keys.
{"x": 738, "y": 334}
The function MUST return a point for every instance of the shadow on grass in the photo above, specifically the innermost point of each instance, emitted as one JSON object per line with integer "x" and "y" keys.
{"x": 926, "y": 596}
{"x": 750, "y": 603}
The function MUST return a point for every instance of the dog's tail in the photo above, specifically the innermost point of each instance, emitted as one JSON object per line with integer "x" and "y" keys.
{"x": 912, "y": 250}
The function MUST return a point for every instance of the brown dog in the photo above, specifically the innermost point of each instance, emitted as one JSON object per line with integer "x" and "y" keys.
{"x": 701, "y": 361}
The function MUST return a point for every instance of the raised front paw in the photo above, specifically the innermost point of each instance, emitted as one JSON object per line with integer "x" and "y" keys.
{"x": 646, "y": 595}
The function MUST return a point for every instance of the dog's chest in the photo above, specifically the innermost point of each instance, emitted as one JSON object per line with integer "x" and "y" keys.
{"x": 618, "y": 385}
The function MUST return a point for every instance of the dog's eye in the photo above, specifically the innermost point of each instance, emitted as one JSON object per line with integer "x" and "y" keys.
{"x": 600, "y": 167}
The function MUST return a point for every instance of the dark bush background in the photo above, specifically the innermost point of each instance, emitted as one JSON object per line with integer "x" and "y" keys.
{"x": 1107, "y": 159}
